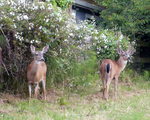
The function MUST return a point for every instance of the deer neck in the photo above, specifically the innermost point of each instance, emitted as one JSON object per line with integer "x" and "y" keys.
{"x": 36, "y": 62}
{"x": 35, "y": 66}
{"x": 121, "y": 63}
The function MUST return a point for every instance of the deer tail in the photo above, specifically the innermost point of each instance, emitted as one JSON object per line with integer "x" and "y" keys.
{"x": 107, "y": 72}
{"x": 108, "y": 68}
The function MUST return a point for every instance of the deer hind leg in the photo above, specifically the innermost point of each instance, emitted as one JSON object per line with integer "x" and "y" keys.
{"x": 30, "y": 88}
{"x": 116, "y": 83}
{"x": 36, "y": 90}
{"x": 104, "y": 88}
{"x": 107, "y": 88}
{"x": 44, "y": 89}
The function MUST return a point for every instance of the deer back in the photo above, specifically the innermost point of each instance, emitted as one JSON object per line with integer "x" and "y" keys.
{"x": 113, "y": 68}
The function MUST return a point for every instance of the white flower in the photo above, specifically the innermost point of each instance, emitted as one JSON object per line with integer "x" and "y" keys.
{"x": 121, "y": 37}
{"x": 73, "y": 14}
{"x": 15, "y": 26}
{"x": 8, "y": 2}
{"x": 65, "y": 40}
{"x": 60, "y": 18}
{"x": 71, "y": 34}
{"x": 42, "y": 7}
{"x": 25, "y": 17}
{"x": 12, "y": 13}
{"x": 40, "y": 27}
{"x": 31, "y": 25}
{"x": 58, "y": 14}
{"x": 22, "y": 1}
{"x": 60, "y": 50}
{"x": 49, "y": 8}
{"x": 96, "y": 32}
{"x": 31, "y": 41}
{"x": 37, "y": 41}
{"x": 96, "y": 38}
{"x": 47, "y": 20}
{"x": 34, "y": 7}
{"x": 103, "y": 36}
{"x": 57, "y": 30}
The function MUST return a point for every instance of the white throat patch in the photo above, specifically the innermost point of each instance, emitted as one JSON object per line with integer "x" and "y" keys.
{"x": 124, "y": 64}
{"x": 37, "y": 62}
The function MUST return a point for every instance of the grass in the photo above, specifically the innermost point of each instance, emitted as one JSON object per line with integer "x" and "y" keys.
{"x": 134, "y": 107}
{"x": 132, "y": 104}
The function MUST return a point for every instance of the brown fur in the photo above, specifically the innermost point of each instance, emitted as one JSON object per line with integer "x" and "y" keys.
{"x": 115, "y": 69}
{"x": 36, "y": 72}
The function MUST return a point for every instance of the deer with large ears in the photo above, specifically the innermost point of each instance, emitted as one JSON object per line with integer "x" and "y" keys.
{"x": 36, "y": 71}
{"x": 110, "y": 69}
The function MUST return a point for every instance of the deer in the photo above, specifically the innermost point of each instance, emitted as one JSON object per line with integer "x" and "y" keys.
{"x": 36, "y": 71}
{"x": 110, "y": 69}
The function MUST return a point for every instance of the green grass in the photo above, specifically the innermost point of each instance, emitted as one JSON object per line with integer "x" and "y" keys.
{"x": 86, "y": 103}
{"x": 132, "y": 104}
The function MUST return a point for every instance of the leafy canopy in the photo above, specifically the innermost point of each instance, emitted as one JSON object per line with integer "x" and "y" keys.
{"x": 131, "y": 16}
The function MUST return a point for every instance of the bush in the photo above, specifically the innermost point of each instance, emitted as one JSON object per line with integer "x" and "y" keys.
{"x": 39, "y": 24}
{"x": 71, "y": 58}
{"x": 106, "y": 44}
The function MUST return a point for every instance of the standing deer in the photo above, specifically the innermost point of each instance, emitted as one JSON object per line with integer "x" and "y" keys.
{"x": 110, "y": 69}
{"x": 36, "y": 71}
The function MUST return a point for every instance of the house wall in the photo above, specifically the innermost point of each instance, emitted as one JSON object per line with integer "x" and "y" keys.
{"x": 85, "y": 11}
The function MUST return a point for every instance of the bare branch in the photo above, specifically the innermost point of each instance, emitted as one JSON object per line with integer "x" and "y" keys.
{"x": 4, "y": 66}
{"x": 6, "y": 41}
{"x": 5, "y": 36}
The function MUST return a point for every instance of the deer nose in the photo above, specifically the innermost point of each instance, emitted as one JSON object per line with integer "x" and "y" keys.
{"x": 42, "y": 59}
{"x": 128, "y": 58}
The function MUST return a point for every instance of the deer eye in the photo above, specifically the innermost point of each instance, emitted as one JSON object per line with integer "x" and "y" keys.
{"x": 123, "y": 55}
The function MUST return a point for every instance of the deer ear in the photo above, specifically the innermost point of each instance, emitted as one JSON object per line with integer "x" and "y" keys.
{"x": 132, "y": 52}
{"x": 32, "y": 49}
{"x": 119, "y": 51}
{"x": 45, "y": 49}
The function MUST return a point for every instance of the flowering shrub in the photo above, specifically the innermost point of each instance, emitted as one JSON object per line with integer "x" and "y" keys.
{"x": 106, "y": 44}
{"x": 71, "y": 54}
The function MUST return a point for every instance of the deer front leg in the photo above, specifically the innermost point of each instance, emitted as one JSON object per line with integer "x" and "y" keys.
{"x": 29, "y": 87}
{"x": 116, "y": 83}
{"x": 36, "y": 90}
{"x": 44, "y": 89}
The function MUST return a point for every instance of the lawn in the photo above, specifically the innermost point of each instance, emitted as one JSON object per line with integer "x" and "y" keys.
{"x": 133, "y": 103}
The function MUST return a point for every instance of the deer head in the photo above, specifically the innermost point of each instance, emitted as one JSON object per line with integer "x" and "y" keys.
{"x": 125, "y": 55}
{"x": 38, "y": 55}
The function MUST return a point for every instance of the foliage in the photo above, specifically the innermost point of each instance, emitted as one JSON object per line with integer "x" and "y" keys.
{"x": 106, "y": 44}
{"x": 40, "y": 24}
{"x": 61, "y": 3}
{"x": 71, "y": 58}
{"x": 131, "y": 16}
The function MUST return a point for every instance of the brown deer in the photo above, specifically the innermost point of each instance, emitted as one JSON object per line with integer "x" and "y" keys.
{"x": 110, "y": 69}
{"x": 36, "y": 71}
